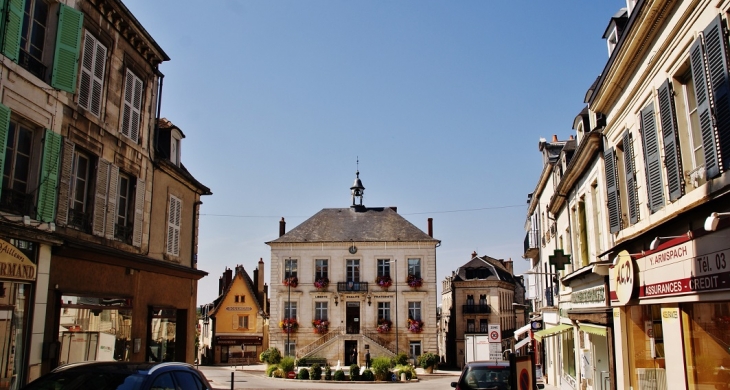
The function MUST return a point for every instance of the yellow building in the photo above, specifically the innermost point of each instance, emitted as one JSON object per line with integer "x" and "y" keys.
{"x": 240, "y": 317}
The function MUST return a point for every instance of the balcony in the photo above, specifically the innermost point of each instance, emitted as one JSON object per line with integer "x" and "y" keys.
{"x": 476, "y": 309}
{"x": 352, "y": 286}
{"x": 123, "y": 233}
{"x": 31, "y": 64}
{"x": 79, "y": 220}
{"x": 16, "y": 202}
{"x": 532, "y": 244}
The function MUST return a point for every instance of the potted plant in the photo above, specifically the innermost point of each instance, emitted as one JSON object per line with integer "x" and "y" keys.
{"x": 384, "y": 325}
{"x": 321, "y": 283}
{"x": 415, "y": 326}
{"x": 384, "y": 281}
{"x": 428, "y": 361}
{"x": 289, "y": 325}
{"x": 414, "y": 281}
{"x": 291, "y": 281}
{"x": 320, "y": 326}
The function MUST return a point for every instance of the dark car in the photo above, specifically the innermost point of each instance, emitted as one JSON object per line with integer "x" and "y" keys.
{"x": 121, "y": 376}
{"x": 491, "y": 375}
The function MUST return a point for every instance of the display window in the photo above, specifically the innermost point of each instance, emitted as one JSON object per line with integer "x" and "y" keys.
{"x": 163, "y": 328}
{"x": 706, "y": 332}
{"x": 646, "y": 346}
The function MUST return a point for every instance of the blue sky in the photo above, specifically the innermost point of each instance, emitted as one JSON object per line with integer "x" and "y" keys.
{"x": 443, "y": 102}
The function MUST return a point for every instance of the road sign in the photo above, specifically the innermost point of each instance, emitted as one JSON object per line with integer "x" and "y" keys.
{"x": 495, "y": 335}
{"x": 495, "y": 351}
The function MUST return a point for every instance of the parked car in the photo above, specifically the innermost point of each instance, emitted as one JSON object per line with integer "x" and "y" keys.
{"x": 484, "y": 375}
{"x": 122, "y": 376}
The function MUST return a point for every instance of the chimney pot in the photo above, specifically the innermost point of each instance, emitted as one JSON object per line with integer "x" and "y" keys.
{"x": 282, "y": 227}
{"x": 430, "y": 227}
{"x": 555, "y": 138}
{"x": 474, "y": 254}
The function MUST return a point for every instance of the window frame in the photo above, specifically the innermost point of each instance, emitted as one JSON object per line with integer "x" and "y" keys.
{"x": 415, "y": 310}
{"x": 352, "y": 270}
{"x": 414, "y": 266}
{"x": 383, "y": 267}
{"x": 321, "y": 310}
{"x": 292, "y": 269}
{"x": 132, "y": 97}
{"x": 91, "y": 74}
{"x": 290, "y": 307}
{"x": 321, "y": 268}
{"x": 384, "y": 310}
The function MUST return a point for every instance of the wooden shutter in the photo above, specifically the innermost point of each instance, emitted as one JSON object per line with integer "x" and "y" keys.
{"x": 132, "y": 106}
{"x": 583, "y": 232}
{"x": 632, "y": 198}
{"x": 4, "y": 126}
{"x": 111, "y": 201}
{"x": 716, "y": 57}
{"x": 64, "y": 187}
{"x": 68, "y": 44}
{"x": 702, "y": 93}
{"x": 102, "y": 188}
{"x": 47, "y": 190}
{"x": 12, "y": 24}
{"x": 92, "y": 74}
{"x": 138, "y": 213}
{"x": 173, "y": 227}
{"x": 653, "y": 168}
{"x": 612, "y": 200}
{"x": 234, "y": 322}
{"x": 672, "y": 158}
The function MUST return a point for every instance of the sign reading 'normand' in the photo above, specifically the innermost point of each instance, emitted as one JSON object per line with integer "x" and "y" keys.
{"x": 14, "y": 264}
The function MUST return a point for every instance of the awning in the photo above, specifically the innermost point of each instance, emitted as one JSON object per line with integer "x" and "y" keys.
{"x": 522, "y": 330}
{"x": 551, "y": 331}
{"x": 593, "y": 329}
{"x": 522, "y": 343}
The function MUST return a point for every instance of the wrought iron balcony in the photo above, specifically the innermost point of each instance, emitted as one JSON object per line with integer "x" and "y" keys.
{"x": 123, "y": 233}
{"x": 31, "y": 64}
{"x": 352, "y": 286}
{"x": 16, "y": 202}
{"x": 532, "y": 244}
{"x": 79, "y": 220}
{"x": 476, "y": 309}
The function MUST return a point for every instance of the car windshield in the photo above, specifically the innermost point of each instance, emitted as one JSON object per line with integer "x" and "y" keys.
{"x": 74, "y": 380}
{"x": 485, "y": 378}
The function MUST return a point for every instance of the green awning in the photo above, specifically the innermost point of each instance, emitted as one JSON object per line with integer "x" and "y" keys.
{"x": 593, "y": 329}
{"x": 551, "y": 331}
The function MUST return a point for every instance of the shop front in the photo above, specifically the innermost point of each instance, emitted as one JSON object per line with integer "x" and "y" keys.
{"x": 232, "y": 348}
{"x": 672, "y": 313}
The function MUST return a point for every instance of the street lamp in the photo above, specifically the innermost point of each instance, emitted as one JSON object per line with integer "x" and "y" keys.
{"x": 396, "y": 302}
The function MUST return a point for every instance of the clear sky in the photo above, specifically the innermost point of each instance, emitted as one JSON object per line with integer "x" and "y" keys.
{"x": 443, "y": 102}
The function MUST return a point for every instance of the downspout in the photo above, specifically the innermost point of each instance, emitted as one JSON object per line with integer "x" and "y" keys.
{"x": 193, "y": 255}
{"x": 159, "y": 107}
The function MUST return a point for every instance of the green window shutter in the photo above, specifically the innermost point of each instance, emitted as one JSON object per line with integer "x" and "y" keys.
{"x": 4, "y": 126}
{"x": 630, "y": 169}
{"x": 717, "y": 56}
{"x": 49, "y": 176}
{"x": 68, "y": 45}
{"x": 653, "y": 164}
{"x": 12, "y": 25}
{"x": 707, "y": 127}
{"x": 612, "y": 201}
{"x": 583, "y": 234}
{"x": 672, "y": 159}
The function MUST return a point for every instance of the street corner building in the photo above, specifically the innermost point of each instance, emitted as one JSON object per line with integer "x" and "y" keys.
{"x": 98, "y": 215}
{"x": 349, "y": 280}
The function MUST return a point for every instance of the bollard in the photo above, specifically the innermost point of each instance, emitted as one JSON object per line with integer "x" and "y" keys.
{"x": 231, "y": 381}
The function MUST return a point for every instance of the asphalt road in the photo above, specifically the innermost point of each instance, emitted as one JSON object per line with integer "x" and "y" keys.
{"x": 254, "y": 377}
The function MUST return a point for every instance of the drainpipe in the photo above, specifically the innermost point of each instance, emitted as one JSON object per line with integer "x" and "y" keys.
{"x": 159, "y": 107}
{"x": 193, "y": 255}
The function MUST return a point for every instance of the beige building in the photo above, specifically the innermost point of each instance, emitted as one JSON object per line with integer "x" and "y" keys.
{"x": 351, "y": 279}
{"x": 480, "y": 293}
{"x": 94, "y": 196}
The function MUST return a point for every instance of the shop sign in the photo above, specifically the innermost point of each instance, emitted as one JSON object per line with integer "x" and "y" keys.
{"x": 591, "y": 295}
{"x": 622, "y": 277}
{"x": 238, "y": 340}
{"x": 670, "y": 314}
{"x": 14, "y": 264}
{"x": 238, "y": 308}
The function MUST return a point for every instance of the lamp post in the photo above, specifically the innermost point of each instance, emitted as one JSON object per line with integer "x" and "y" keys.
{"x": 288, "y": 302}
{"x": 396, "y": 302}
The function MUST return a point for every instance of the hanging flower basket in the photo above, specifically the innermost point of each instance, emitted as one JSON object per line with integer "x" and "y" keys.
{"x": 384, "y": 325}
{"x": 415, "y": 326}
{"x": 289, "y": 325}
{"x": 292, "y": 281}
{"x": 384, "y": 281}
{"x": 321, "y": 283}
{"x": 414, "y": 281}
{"x": 321, "y": 326}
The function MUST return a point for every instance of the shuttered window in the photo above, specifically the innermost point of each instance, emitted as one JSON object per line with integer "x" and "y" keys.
{"x": 715, "y": 39}
{"x": 653, "y": 168}
{"x": 173, "y": 226}
{"x": 12, "y": 10}
{"x": 632, "y": 197}
{"x": 702, "y": 94}
{"x": 672, "y": 158}
{"x": 100, "y": 196}
{"x": 68, "y": 44}
{"x": 138, "y": 213}
{"x": 91, "y": 80}
{"x": 132, "y": 106}
{"x": 612, "y": 199}
{"x": 49, "y": 176}
{"x": 4, "y": 126}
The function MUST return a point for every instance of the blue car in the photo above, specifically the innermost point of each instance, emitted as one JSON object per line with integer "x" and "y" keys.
{"x": 122, "y": 376}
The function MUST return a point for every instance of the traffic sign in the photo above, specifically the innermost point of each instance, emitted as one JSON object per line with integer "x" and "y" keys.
{"x": 495, "y": 335}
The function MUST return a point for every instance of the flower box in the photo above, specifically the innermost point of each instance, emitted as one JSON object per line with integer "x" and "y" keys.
{"x": 292, "y": 281}
{"x": 384, "y": 281}
{"x": 321, "y": 326}
{"x": 384, "y": 325}
{"x": 415, "y": 326}
{"x": 414, "y": 281}
{"x": 321, "y": 283}
{"x": 289, "y": 325}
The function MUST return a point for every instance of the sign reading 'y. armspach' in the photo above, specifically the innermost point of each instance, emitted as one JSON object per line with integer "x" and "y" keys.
{"x": 14, "y": 264}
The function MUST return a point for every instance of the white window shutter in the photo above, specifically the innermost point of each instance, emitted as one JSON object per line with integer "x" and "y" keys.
{"x": 64, "y": 189}
{"x": 138, "y": 213}
{"x": 132, "y": 106}
{"x": 112, "y": 196}
{"x": 102, "y": 188}
{"x": 91, "y": 81}
{"x": 97, "y": 83}
{"x": 173, "y": 226}
{"x": 234, "y": 323}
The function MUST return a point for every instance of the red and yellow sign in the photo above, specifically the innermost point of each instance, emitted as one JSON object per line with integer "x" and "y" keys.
{"x": 14, "y": 264}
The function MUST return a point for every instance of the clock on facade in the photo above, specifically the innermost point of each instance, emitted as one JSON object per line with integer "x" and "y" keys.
{"x": 353, "y": 249}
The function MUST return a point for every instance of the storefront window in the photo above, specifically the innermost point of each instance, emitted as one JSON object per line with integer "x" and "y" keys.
{"x": 95, "y": 329}
{"x": 706, "y": 340}
{"x": 568, "y": 353}
{"x": 161, "y": 344}
{"x": 646, "y": 346}
{"x": 13, "y": 321}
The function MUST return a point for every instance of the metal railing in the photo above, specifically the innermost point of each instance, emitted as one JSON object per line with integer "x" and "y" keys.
{"x": 123, "y": 233}
{"x": 532, "y": 242}
{"x": 79, "y": 220}
{"x": 320, "y": 342}
{"x": 352, "y": 286}
{"x": 16, "y": 202}
{"x": 376, "y": 338}
{"x": 476, "y": 309}
{"x": 31, "y": 64}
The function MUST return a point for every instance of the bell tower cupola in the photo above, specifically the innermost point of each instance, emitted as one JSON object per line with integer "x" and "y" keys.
{"x": 357, "y": 190}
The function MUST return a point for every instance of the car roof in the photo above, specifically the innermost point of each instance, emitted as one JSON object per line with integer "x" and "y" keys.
{"x": 488, "y": 363}
{"x": 114, "y": 366}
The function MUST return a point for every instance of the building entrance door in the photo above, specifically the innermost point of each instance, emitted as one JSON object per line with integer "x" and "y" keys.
{"x": 353, "y": 317}
{"x": 350, "y": 352}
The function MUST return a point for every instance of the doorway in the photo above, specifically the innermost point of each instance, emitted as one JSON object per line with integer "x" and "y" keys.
{"x": 350, "y": 352}
{"x": 353, "y": 318}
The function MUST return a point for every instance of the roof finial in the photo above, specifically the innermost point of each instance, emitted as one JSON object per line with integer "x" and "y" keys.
{"x": 357, "y": 190}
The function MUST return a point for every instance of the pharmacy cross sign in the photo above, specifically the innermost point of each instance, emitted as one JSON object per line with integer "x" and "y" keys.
{"x": 559, "y": 259}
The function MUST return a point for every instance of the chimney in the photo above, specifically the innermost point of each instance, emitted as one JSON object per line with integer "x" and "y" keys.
{"x": 228, "y": 278}
{"x": 394, "y": 208}
{"x": 474, "y": 254}
{"x": 572, "y": 137}
{"x": 430, "y": 227}
{"x": 260, "y": 277}
{"x": 555, "y": 138}
{"x": 282, "y": 227}
{"x": 508, "y": 265}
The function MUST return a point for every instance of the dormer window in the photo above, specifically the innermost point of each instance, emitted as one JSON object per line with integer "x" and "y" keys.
{"x": 175, "y": 139}
{"x": 612, "y": 40}
{"x": 614, "y": 29}
{"x": 169, "y": 141}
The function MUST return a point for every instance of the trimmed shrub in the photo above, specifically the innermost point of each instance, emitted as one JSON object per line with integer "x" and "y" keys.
{"x": 279, "y": 373}
{"x": 287, "y": 364}
{"x": 270, "y": 370}
{"x": 301, "y": 362}
{"x": 400, "y": 359}
{"x": 315, "y": 372}
{"x": 354, "y": 372}
{"x": 407, "y": 369}
{"x": 327, "y": 373}
{"x": 427, "y": 360}
{"x": 367, "y": 375}
{"x": 303, "y": 374}
{"x": 339, "y": 375}
{"x": 270, "y": 356}
{"x": 380, "y": 367}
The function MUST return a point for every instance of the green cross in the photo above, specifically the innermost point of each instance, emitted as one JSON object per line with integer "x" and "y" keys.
{"x": 559, "y": 259}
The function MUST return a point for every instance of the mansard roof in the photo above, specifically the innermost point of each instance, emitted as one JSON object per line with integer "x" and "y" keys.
{"x": 495, "y": 269}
